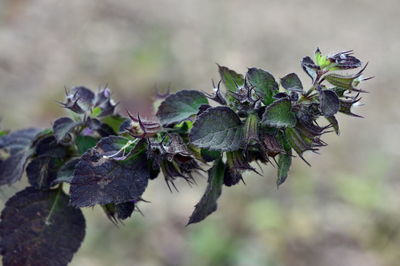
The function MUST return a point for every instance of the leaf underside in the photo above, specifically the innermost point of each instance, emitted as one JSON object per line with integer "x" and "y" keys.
{"x": 15, "y": 149}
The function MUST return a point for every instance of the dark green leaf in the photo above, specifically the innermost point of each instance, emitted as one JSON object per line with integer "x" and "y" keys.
{"x": 284, "y": 162}
{"x": 84, "y": 143}
{"x": 63, "y": 126}
{"x": 208, "y": 203}
{"x": 15, "y": 149}
{"x": 180, "y": 106}
{"x": 329, "y": 102}
{"x": 291, "y": 82}
{"x": 39, "y": 228}
{"x": 209, "y": 155}
{"x": 339, "y": 91}
{"x": 279, "y": 114}
{"x": 101, "y": 178}
{"x": 114, "y": 121}
{"x": 230, "y": 78}
{"x": 335, "y": 124}
{"x": 218, "y": 128}
{"x": 264, "y": 84}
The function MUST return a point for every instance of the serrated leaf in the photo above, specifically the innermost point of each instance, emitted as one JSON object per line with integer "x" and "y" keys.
{"x": 63, "y": 126}
{"x": 180, "y": 106}
{"x": 15, "y": 149}
{"x": 208, "y": 203}
{"x": 101, "y": 179}
{"x": 329, "y": 102}
{"x": 264, "y": 84}
{"x": 291, "y": 82}
{"x": 218, "y": 128}
{"x": 39, "y": 228}
{"x": 84, "y": 143}
{"x": 279, "y": 114}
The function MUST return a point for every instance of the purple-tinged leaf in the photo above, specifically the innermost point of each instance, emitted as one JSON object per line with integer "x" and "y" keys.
{"x": 15, "y": 149}
{"x": 310, "y": 68}
{"x": 101, "y": 179}
{"x": 39, "y": 228}
{"x": 329, "y": 102}
{"x": 208, "y": 203}
{"x": 62, "y": 128}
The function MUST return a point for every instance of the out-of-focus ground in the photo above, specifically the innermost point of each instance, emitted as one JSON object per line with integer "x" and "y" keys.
{"x": 344, "y": 210}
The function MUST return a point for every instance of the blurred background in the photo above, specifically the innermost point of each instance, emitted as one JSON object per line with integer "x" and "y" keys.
{"x": 344, "y": 210}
